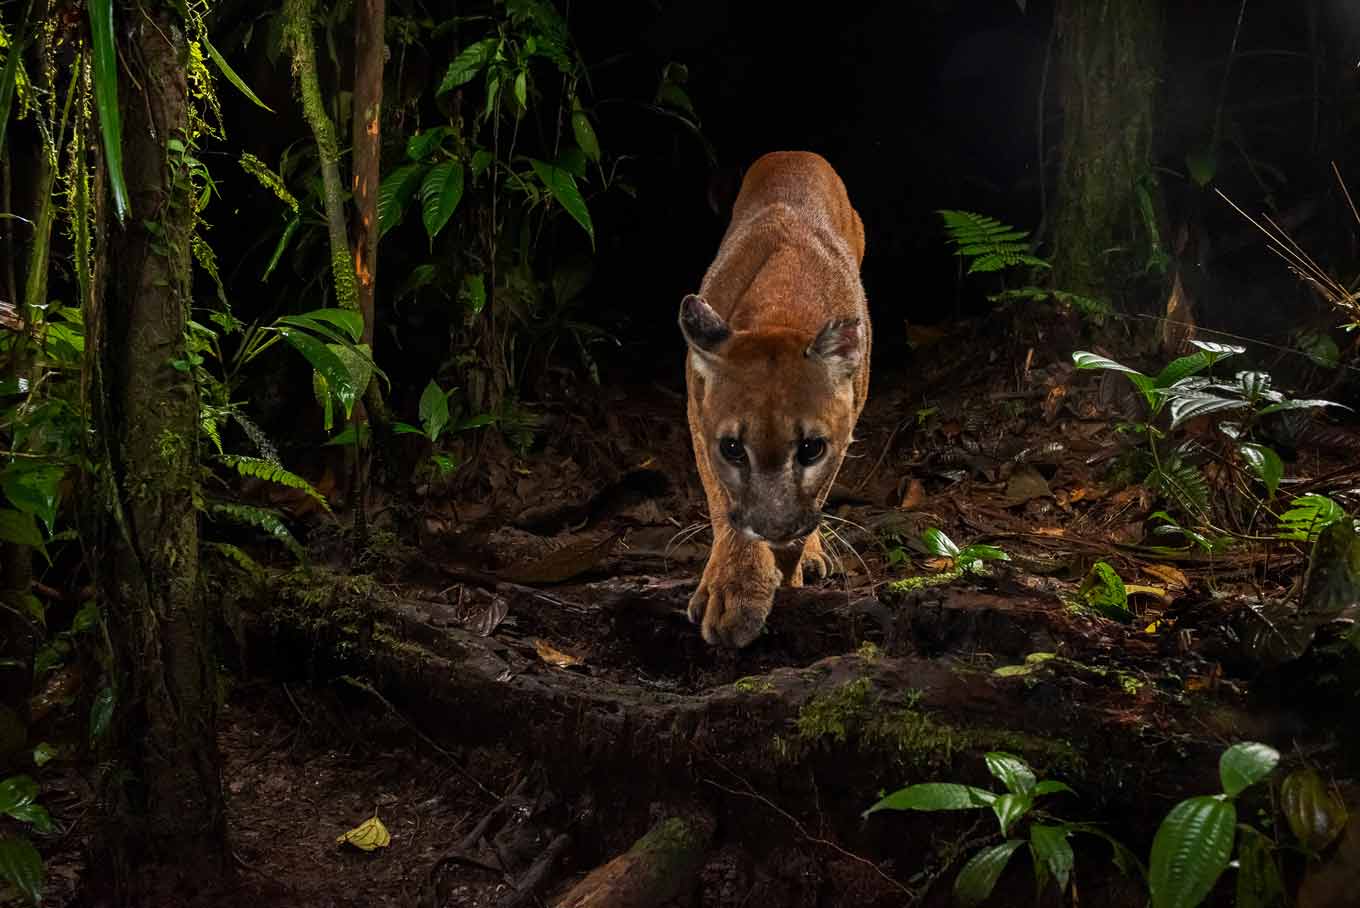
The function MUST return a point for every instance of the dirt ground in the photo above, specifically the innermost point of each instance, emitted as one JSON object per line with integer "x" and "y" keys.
{"x": 533, "y": 700}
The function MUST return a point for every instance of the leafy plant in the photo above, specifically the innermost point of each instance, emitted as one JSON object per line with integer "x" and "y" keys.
{"x": 20, "y": 864}
{"x": 435, "y": 419}
{"x": 991, "y": 246}
{"x": 1018, "y": 806}
{"x": 1194, "y": 842}
{"x": 969, "y": 559}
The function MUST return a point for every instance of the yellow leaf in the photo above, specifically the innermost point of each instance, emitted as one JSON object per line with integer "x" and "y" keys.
{"x": 1152, "y": 628}
{"x": 369, "y": 834}
{"x": 1135, "y": 588}
{"x": 554, "y": 656}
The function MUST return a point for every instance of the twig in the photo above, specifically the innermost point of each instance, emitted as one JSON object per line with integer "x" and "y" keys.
{"x": 912, "y": 895}
{"x": 362, "y": 685}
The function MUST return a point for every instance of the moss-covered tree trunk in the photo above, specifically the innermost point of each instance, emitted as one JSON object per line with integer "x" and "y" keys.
{"x": 1110, "y": 61}
{"x": 165, "y": 823}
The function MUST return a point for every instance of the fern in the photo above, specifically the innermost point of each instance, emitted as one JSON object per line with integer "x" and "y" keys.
{"x": 208, "y": 424}
{"x": 1308, "y": 516}
{"x": 989, "y": 244}
{"x": 260, "y": 468}
{"x": 1184, "y": 484}
{"x": 260, "y": 518}
{"x": 238, "y": 557}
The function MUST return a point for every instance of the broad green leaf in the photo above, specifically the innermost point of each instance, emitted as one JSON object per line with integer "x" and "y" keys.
{"x": 937, "y": 543}
{"x": 350, "y": 321}
{"x": 1315, "y": 814}
{"x": 434, "y": 410}
{"x": 473, "y": 293}
{"x": 232, "y": 76}
{"x": 1265, "y": 463}
{"x": 1298, "y": 405}
{"x": 1218, "y": 350}
{"x": 1190, "y": 851}
{"x": 324, "y": 360}
{"x": 86, "y": 619}
{"x": 1012, "y": 771}
{"x": 1182, "y": 368}
{"x": 401, "y": 428}
{"x": 522, "y": 90}
{"x": 394, "y": 193}
{"x": 43, "y": 754}
{"x": 468, "y": 64}
{"x": 35, "y": 490}
{"x": 585, "y": 135}
{"x": 1009, "y": 808}
{"x": 1103, "y": 590}
{"x": 1053, "y": 851}
{"x": 1051, "y": 786}
{"x": 978, "y": 877}
{"x": 17, "y": 792}
{"x": 481, "y": 160}
{"x": 358, "y": 361}
{"x": 420, "y": 145}
{"x": 440, "y": 193}
{"x": 1144, "y": 384}
{"x": 562, "y": 185}
{"x": 978, "y": 552}
{"x": 1259, "y": 884}
{"x": 1185, "y": 407}
{"x": 573, "y": 161}
{"x": 36, "y": 816}
{"x": 1245, "y": 764}
{"x": 1201, "y": 164}
{"x": 101, "y": 713}
{"x": 106, "y": 100}
{"x": 934, "y": 796}
{"x": 22, "y": 866}
{"x": 19, "y": 528}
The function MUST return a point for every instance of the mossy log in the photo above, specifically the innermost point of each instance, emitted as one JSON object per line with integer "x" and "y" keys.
{"x": 660, "y": 866}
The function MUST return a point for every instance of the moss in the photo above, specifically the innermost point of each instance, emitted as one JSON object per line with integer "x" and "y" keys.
{"x": 753, "y": 684}
{"x": 921, "y": 582}
{"x": 910, "y": 736}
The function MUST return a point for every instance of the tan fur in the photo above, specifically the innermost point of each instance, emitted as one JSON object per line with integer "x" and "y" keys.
{"x": 793, "y": 369}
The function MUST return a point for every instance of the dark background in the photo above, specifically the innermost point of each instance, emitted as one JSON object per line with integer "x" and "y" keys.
{"x": 921, "y": 106}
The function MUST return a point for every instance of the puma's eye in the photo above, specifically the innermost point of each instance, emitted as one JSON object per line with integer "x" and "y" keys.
{"x": 732, "y": 451}
{"x": 810, "y": 450}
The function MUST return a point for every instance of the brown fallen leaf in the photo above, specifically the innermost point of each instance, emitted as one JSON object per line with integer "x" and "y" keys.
{"x": 570, "y": 561}
{"x": 1026, "y": 484}
{"x": 1173, "y": 577}
{"x": 554, "y": 656}
{"x": 916, "y": 493}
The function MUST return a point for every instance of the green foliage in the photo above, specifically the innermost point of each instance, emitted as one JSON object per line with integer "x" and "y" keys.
{"x": 969, "y": 559}
{"x": 1308, "y": 516}
{"x": 1103, "y": 590}
{"x": 992, "y": 247}
{"x": 22, "y": 867}
{"x": 106, "y": 99}
{"x": 986, "y": 243}
{"x": 1050, "y": 852}
{"x": 269, "y": 471}
{"x": 1194, "y": 842}
{"x": 259, "y": 518}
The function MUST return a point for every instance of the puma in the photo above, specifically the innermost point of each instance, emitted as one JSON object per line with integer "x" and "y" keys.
{"x": 777, "y": 373}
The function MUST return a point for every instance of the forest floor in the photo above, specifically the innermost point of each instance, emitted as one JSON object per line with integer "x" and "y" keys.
{"x": 515, "y": 692}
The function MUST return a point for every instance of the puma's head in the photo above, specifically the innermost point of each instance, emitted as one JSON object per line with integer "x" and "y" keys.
{"x": 775, "y": 411}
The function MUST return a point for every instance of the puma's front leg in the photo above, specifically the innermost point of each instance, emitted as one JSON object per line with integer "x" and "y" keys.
{"x": 737, "y": 589}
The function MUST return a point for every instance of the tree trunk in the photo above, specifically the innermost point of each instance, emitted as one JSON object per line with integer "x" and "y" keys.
{"x": 165, "y": 822}
{"x": 1110, "y": 56}
{"x": 368, "y": 92}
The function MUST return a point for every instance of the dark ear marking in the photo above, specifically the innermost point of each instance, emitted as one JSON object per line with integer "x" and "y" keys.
{"x": 703, "y": 328}
{"x": 840, "y": 343}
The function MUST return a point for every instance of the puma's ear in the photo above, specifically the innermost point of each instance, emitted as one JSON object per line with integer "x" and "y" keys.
{"x": 703, "y": 328}
{"x": 840, "y": 344}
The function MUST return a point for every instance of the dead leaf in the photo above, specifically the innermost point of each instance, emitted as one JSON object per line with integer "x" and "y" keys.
{"x": 1026, "y": 484}
{"x": 916, "y": 493}
{"x": 368, "y": 835}
{"x": 1050, "y": 531}
{"x": 567, "y": 562}
{"x": 1173, "y": 577}
{"x": 1052, "y": 401}
{"x": 491, "y": 619}
{"x": 554, "y": 656}
{"x": 1135, "y": 589}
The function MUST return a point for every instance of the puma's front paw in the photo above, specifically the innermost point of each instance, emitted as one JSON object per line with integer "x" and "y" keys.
{"x": 815, "y": 564}
{"x": 731, "y": 606}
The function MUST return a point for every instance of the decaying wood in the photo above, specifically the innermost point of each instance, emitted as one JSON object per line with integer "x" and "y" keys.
{"x": 660, "y": 866}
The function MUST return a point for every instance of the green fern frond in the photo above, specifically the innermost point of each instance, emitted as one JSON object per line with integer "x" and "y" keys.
{"x": 260, "y": 518}
{"x": 269, "y": 471}
{"x": 238, "y": 557}
{"x": 989, "y": 244}
{"x": 1184, "y": 485}
{"x": 1095, "y": 309}
{"x": 208, "y": 425}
